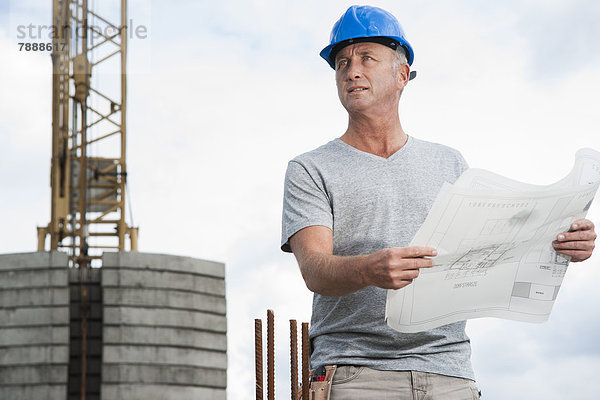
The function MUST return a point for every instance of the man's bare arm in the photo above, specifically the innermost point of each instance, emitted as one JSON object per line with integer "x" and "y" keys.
{"x": 331, "y": 275}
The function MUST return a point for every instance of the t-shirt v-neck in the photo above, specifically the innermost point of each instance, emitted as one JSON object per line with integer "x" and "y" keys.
{"x": 397, "y": 154}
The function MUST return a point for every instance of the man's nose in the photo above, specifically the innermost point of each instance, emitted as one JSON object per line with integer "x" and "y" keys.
{"x": 354, "y": 71}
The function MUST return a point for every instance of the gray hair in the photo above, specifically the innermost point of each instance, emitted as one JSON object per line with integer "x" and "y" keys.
{"x": 400, "y": 57}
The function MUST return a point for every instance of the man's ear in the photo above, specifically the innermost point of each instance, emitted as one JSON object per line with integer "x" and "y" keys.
{"x": 403, "y": 75}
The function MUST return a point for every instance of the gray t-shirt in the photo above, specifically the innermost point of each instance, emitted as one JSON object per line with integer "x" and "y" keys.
{"x": 371, "y": 203}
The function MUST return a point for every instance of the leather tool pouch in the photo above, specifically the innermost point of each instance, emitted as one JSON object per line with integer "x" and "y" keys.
{"x": 320, "y": 387}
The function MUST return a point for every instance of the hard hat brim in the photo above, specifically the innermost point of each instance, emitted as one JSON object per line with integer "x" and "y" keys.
{"x": 329, "y": 53}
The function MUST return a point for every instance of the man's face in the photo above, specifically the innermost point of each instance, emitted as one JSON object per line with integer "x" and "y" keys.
{"x": 367, "y": 77}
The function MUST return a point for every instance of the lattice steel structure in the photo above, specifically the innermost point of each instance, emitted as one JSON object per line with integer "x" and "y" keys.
{"x": 88, "y": 172}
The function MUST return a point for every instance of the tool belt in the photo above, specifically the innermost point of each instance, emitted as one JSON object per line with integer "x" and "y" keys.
{"x": 320, "y": 382}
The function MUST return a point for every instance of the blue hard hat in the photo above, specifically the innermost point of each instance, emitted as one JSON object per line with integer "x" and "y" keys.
{"x": 366, "y": 24}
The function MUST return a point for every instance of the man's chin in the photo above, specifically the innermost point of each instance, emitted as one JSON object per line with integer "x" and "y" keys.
{"x": 356, "y": 106}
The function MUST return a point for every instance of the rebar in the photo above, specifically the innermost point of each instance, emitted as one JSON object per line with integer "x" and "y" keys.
{"x": 294, "y": 358}
{"x": 270, "y": 356}
{"x": 258, "y": 358}
{"x": 305, "y": 361}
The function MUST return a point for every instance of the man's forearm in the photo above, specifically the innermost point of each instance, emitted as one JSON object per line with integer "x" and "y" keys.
{"x": 332, "y": 275}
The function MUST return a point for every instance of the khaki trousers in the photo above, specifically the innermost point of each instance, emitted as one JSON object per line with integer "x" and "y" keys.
{"x": 362, "y": 383}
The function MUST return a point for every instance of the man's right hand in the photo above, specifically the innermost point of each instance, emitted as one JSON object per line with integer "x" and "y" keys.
{"x": 396, "y": 267}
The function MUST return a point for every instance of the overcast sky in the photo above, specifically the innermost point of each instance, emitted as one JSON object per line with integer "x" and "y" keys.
{"x": 223, "y": 93}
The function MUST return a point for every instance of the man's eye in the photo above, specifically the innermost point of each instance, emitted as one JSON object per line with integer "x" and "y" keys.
{"x": 341, "y": 63}
{"x": 367, "y": 58}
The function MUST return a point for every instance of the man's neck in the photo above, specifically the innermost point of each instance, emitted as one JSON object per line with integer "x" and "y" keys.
{"x": 380, "y": 137}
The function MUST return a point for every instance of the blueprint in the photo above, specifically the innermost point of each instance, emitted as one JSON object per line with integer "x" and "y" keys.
{"x": 494, "y": 241}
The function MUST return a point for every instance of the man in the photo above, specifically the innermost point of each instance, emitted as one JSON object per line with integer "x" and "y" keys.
{"x": 352, "y": 206}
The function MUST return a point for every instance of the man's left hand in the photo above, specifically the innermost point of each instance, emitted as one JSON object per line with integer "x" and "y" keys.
{"x": 578, "y": 242}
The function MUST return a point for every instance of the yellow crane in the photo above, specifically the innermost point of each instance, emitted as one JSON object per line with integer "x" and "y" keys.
{"x": 88, "y": 187}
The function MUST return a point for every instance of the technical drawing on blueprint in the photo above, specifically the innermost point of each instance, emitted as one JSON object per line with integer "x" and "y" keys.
{"x": 493, "y": 237}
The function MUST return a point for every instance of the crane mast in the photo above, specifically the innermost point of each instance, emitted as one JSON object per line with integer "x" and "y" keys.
{"x": 88, "y": 168}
